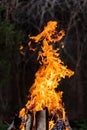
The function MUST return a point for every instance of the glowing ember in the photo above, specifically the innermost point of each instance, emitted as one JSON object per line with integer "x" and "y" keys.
{"x": 50, "y": 73}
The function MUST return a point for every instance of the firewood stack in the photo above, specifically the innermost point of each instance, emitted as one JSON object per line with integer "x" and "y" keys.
{"x": 60, "y": 125}
{"x": 38, "y": 121}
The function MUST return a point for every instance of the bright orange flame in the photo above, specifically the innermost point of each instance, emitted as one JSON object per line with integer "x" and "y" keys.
{"x": 50, "y": 73}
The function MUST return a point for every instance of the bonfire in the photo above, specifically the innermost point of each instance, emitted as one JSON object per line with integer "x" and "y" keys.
{"x": 42, "y": 94}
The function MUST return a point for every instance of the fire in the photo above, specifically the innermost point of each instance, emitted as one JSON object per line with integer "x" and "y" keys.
{"x": 49, "y": 75}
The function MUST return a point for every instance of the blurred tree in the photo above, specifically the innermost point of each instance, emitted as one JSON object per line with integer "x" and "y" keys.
{"x": 9, "y": 60}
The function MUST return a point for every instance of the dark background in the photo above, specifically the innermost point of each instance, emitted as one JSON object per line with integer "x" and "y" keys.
{"x": 18, "y": 19}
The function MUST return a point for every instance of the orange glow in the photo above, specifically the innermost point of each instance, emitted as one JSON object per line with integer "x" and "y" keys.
{"x": 21, "y": 48}
{"x": 22, "y": 112}
{"x": 50, "y": 73}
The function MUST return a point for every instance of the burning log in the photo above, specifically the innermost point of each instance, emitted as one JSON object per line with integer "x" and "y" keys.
{"x": 62, "y": 125}
{"x": 36, "y": 120}
{"x": 42, "y": 120}
{"x": 67, "y": 124}
{"x": 59, "y": 122}
{"x": 29, "y": 121}
{"x": 59, "y": 125}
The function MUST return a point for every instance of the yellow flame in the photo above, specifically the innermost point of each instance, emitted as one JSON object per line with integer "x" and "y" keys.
{"x": 50, "y": 73}
{"x": 51, "y": 123}
{"x": 22, "y": 112}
